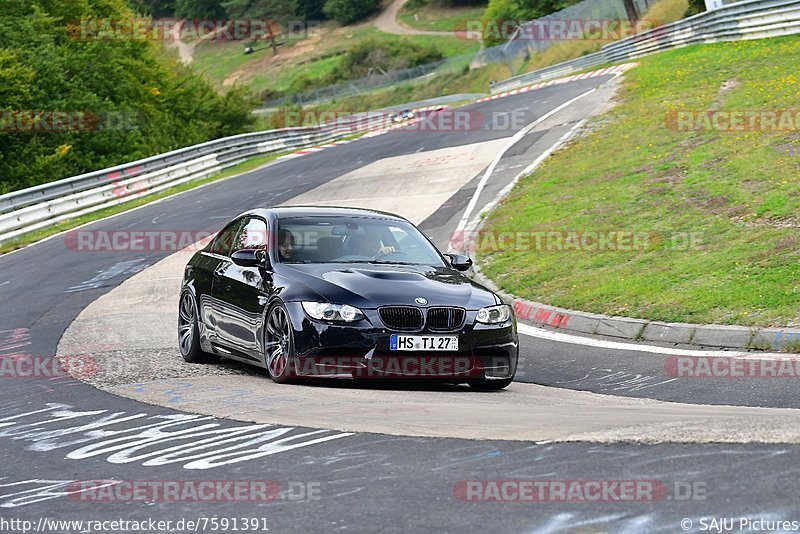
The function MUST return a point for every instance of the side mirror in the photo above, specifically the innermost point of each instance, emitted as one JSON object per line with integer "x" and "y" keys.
{"x": 459, "y": 262}
{"x": 250, "y": 258}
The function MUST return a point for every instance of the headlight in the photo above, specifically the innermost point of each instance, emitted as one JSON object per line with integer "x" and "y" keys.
{"x": 494, "y": 314}
{"x": 325, "y": 311}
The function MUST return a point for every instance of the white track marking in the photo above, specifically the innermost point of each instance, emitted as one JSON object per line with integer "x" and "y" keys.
{"x": 514, "y": 139}
{"x": 527, "y": 170}
{"x": 561, "y": 337}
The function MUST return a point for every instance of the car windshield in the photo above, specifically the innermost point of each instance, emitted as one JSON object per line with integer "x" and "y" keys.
{"x": 353, "y": 240}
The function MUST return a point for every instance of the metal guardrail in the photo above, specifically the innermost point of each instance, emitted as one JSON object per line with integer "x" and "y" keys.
{"x": 44, "y": 205}
{"x": 751, "y": 19}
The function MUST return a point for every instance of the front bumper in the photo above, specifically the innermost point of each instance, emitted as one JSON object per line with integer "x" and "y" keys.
{"x": 361, "y": 350}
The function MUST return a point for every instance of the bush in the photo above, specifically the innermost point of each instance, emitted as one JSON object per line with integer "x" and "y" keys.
{"x": 374, "y": 56}
{"x": 695, "y": 7}
{"x": 369, "y": 57}
{"x": 199, "y": 9}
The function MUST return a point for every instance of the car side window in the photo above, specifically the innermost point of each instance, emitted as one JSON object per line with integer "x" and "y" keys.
{"x": 252, "y": 235}
{"x": 223, "y": 243}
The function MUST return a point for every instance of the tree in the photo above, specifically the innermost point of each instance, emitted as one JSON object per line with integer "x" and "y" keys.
{"x": 350, "y": 11}
{"x": 199, "y": 9}
{"x": 281, "y": 11}
{"x": 500, "y": 15}
{"x": 154, "y": 8}
{"x": 127, "y": 102}
{"x": 496, "y": 14}
{"x": 310, "y": 9}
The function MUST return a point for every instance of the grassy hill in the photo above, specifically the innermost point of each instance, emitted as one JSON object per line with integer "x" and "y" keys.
{"x": 226, "y": 65}
{"x": 735, "y": 191}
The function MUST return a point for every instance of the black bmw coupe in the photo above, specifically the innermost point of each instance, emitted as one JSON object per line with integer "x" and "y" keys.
{"x": 341, "y": 292}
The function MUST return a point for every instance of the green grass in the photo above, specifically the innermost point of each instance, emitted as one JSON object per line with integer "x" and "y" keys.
{"x": 436, "y": 17}
{"x": 736, "y": 191}
{"x": 284, "y": 78}
{"x": 67, "y": 224}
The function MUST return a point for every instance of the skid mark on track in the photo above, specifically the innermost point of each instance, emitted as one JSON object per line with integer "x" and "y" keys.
{"x": 12, "y": 340}
{"x": 609, "y": 380}
{"x": 118, "y": 269}
{"x": 32, "y": 491}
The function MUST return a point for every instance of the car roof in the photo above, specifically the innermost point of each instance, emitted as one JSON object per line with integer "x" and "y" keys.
{"x": 322, "y": 211}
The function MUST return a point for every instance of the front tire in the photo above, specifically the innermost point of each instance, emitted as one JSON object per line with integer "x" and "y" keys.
{"x": 189, "y": 332}
{"x": 279, "y": 345}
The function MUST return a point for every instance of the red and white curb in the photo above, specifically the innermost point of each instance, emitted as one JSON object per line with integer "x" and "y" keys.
{"x": 440, "y": 107}
{"x": 616, "y": 69}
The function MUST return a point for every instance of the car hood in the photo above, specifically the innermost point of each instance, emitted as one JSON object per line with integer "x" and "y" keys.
{"x": 371, "y": 286}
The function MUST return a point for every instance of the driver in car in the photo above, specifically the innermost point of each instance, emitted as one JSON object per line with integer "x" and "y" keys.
{"x": 285, "y": 244}
{"x": 371, "y": 244}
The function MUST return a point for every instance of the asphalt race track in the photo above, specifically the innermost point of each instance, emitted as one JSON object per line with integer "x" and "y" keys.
{"x": 357, "y": 473}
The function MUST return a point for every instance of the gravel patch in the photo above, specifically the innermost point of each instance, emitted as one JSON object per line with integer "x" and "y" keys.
{"x": 105, "y": 370}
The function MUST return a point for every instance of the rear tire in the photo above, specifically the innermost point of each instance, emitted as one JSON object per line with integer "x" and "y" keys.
{"x": 482, "y": 384}
{"x": 189, "y": 332}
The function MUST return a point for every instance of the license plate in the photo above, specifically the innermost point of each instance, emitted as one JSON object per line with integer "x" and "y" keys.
{"x": 430, "y": 343}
